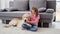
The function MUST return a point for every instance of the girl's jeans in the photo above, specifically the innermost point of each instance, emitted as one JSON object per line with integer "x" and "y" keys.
{"x": 31, "y": 28}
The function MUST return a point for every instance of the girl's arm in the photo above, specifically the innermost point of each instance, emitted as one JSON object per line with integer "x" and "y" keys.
{"x": 35, "y": 21}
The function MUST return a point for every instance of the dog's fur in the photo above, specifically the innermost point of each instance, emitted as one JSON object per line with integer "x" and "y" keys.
{"x": 19, "y": 22}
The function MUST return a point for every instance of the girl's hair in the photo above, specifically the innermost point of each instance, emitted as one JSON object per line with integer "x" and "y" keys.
{"x": 36, "y": 10}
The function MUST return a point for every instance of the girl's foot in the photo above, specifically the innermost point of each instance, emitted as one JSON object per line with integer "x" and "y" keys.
{"x": 23, "y": 29}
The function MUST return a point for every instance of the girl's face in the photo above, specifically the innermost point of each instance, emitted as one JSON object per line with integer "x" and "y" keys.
{"x": 33, "y": 11}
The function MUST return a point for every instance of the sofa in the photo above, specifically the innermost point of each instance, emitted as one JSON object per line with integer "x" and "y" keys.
{"x": 19, "y": 7}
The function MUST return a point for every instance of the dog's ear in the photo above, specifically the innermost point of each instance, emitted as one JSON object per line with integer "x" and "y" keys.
{"x": 23, "y": 16}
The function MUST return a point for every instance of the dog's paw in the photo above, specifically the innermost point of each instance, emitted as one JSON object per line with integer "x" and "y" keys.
{"x": 6, "y": 26}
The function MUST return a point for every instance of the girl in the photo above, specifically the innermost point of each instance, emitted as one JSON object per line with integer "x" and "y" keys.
{"x": 34, "y": 19}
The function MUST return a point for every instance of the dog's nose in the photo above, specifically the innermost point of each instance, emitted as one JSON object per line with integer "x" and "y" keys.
{"x": 25, "y": 20}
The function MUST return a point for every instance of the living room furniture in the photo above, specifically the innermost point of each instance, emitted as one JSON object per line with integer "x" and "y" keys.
{"x": 19, "y": 7}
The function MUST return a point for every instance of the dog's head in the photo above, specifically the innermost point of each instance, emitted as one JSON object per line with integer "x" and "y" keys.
{"x": 26, "y": 17}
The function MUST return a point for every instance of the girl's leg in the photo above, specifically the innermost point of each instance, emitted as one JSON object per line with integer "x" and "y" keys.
{"x": 26, "y": 26}
{"x": 34, "y": 28}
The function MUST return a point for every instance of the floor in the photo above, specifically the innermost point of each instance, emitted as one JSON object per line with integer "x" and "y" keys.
{"x": 56, "y": 25}
{"x": 55, "y": 29}
{"x": 19, "y": 31}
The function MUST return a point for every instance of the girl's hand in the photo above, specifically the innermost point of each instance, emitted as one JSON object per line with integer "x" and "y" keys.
{"x": 28, "y": 22}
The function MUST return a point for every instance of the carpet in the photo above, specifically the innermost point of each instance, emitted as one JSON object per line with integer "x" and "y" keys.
{"x": 15, "y": 30}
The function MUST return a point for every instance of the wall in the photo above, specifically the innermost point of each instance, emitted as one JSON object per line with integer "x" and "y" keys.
{"x": 58, "y": 5}
{"x": 4, "y": 3}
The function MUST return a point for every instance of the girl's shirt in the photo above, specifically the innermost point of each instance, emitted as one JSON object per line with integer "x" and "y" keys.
{"x": 34, "y": 19}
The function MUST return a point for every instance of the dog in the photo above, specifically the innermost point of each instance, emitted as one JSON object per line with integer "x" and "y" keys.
{"x": 19, "y": 22}
{"x": 24, "y": 18}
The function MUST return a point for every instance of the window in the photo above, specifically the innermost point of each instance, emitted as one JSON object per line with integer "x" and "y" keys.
{"x": 57, "y": 10}
{"x": 58, "y": 5}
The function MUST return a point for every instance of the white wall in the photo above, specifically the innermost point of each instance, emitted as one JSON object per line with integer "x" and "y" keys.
{"x": 58, "y": 5}
{"x": 4, "y": 3}
{"x": 57, "y": 0}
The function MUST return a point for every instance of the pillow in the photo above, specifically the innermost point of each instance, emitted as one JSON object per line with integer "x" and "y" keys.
{"x": 42, "y": 9}
{"x": 50, "y": 10}
{"x": 21, "y": 4}
{"x": 37, "y": 3}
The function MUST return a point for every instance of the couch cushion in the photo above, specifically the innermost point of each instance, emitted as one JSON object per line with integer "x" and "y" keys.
{"x": 42, "y": 9}
{"x": 46, "y": 17}
{"x": 21, "y": 4}
{"x": 0, "y": 10}
{"x": 37, "y": 3}
{"x": 13, "y": 14}
{"x": 50, "y": 10}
